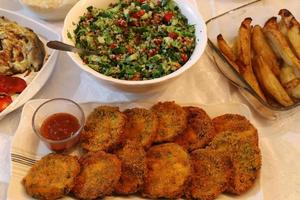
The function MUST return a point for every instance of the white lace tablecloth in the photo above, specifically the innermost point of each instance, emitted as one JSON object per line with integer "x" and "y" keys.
{"x": 203, "y": 84}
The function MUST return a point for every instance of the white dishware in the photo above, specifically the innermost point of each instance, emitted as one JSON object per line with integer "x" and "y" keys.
{"x": 188, "y": 9}
{"x": 44, "y": 10}
{"x": 35, "y": 80}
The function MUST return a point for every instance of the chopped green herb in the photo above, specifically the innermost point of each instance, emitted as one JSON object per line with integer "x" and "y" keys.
{"x": 137, "y": 40}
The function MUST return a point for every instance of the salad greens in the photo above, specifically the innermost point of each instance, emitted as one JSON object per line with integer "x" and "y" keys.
{"x": 136, "y": 39}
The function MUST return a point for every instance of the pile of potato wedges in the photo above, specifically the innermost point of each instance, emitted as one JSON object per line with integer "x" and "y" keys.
{"x": 268, "y": 57}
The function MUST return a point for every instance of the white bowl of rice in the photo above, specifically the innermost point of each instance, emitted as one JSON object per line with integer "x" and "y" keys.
{"x": 49, "y": 9}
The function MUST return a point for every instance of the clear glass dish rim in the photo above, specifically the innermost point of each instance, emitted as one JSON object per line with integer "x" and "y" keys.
{"x": 248, "y": 88}
{"x": 37, "y": 132}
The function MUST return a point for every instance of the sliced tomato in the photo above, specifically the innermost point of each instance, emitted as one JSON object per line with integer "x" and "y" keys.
{"x": 5, "y": 100}
{"x": 11, "y": 85}
{"x": 138, "y": 14}
{"x": 168, "y": 16}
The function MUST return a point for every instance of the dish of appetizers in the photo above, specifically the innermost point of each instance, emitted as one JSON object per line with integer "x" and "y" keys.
{"x": 162, "y": 150}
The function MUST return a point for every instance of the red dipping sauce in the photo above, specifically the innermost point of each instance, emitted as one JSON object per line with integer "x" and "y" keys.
{"x": 60, "y": 126}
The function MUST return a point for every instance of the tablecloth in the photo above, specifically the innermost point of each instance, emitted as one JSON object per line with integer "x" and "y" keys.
{"x": 202, "y": 84}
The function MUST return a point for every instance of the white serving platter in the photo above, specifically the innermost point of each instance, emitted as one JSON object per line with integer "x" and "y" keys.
{"x": 26, "y": 146}
{"x": 36, "y": 80}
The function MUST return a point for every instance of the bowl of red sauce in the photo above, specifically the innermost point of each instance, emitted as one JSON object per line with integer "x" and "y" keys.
{"x": 58, "y": 123}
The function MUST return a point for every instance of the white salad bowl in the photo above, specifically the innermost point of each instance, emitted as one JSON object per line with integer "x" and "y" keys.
{"x": 187, "y": 9}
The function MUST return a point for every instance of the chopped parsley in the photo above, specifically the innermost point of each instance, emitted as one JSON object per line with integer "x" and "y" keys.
{"x": 136, "y": 39}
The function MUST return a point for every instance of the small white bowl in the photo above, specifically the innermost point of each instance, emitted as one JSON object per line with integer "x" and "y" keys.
{"x": 187, "y": 9}
{"x": 43, "y": 10}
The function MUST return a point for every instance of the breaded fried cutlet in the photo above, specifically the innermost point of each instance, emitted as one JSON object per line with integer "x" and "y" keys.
{"x": 103, "y": 130}
{"x": 211, "y": 174}
{"x": 172, "y": 121}
{"x": 234, "y": 123}
{"x": 52, "y": 177}
{"x": 169, "y": 169}
{"x": 100, "y": 173}
{"x": 245, "y": 157}
{"x": 141, "y": 126}
{"x": 200, "y": 130}
{"x": 134, "y": 168}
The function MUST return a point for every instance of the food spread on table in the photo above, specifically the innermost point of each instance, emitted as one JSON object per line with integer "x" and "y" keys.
{"x": 268, "y": 58}
{"x": 21, "y": 51}
{"x": 167, "y": 151}
{"x": 136, "y": 39}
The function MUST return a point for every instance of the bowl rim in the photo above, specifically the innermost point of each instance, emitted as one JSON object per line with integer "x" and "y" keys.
{"x": 199, "y": 47}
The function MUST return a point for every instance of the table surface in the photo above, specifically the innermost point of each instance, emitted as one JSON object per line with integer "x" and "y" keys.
{"x": 202, "y": 84}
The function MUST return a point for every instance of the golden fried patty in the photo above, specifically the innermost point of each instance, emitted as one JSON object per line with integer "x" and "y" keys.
{"x": 234, "y": 123}
{"x": 103, "y": 130}
{"x": 245, "y": 158}
{"x": 200, "y": 130}
{"x": 169, "y": 169}
{"x": 172, "y": 120}
{"x": 141, "y": 126}
{"x": 51, "y": 177}
{"x": 134, "y": 168}
{"x": 99, "y": 175}
{"x": 210, "y": 176}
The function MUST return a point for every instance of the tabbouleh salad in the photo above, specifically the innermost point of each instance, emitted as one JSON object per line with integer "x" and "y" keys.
{"x": 136, "y": 39}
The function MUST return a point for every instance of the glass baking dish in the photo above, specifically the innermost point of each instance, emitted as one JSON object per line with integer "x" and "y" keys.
{"x": 228, "y": 25}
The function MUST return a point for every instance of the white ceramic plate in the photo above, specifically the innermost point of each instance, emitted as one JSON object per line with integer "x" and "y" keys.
{"x": 188, "y": 9}
{"x": 24, "y": 153}
{"x": 35, "y": 81}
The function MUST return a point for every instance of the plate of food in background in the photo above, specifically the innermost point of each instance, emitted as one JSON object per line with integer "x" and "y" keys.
{"x": 260, "y": 53}
{"x": 25, "y": 62}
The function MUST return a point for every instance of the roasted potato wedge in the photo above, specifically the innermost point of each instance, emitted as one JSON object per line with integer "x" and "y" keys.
{"x": 291, "y": 27}
{"x": 279, "y": 43}
{"x": 244, "y": 55}
{"x": 263, "y": 49}
{"x": 290, "y": 82}
{"x": 227, "y": 52}
{"x": 270, "y": 83}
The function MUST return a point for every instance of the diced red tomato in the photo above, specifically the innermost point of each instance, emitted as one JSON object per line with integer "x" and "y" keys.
{"x": 113, "y": 45}
{"x": 157, "y": 41}
{"x": 136, "y": 77}
{"x": 11, "y": 85}
{"x": 152, "y": 52}
{"x": 122, "y": 23}
{"x": 138, "y": 14}
{"x": 142, "y": 1}
{"x": 158, "y": 2}
{"x": 173, "y": 35}
{"x": 5, "y": 100}
{"x": 168, "y": 16}
{"x": 184, "y": 57}
{"x": 130, "y": 49}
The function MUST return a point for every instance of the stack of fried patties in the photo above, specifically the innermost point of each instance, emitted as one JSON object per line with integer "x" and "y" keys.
{"x": 167, "y": 151}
